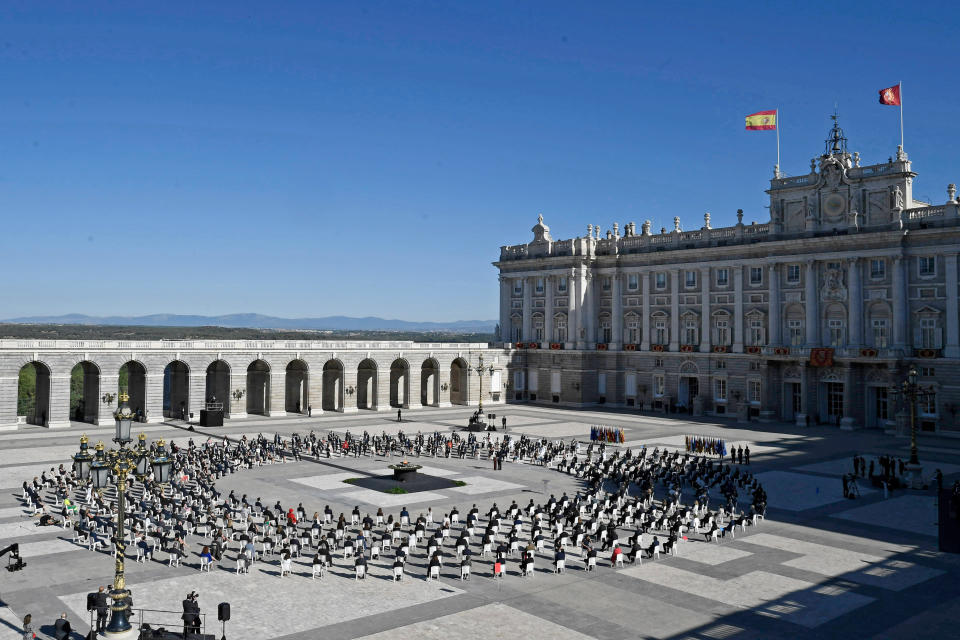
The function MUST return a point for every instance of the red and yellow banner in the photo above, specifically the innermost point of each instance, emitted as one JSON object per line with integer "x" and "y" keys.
{"x": 762, "y": 120}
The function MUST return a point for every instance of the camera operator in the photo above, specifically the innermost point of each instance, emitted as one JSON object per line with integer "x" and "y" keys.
{"x": 191, "y": 614}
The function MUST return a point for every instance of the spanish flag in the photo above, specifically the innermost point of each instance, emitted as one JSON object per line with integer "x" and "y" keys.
{"x": 762, "y": 120}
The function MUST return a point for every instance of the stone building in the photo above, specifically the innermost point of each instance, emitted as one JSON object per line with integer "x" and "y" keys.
{"x": 165, "y": 378}
{"x": 812, "y": 316}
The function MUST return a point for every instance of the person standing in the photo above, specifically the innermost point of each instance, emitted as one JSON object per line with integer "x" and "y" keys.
{"x": 309, "y": 411}
{"x": 399, "y": 415}
{"x": 102, "y": 606}
{"x": 191, "y": 614}
{"x": 504, "y": 423}
{"x": 28, "y": 632}
{"x": 62, "y": 628}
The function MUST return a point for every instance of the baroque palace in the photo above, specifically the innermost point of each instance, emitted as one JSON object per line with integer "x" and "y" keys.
{"x": 813, "y": 317}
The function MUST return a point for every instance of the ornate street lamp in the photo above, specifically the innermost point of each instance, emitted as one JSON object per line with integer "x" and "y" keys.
{"x": 911, "y": 391}
{"x": 481, "y": 371}
{"x": 121, "y": 463}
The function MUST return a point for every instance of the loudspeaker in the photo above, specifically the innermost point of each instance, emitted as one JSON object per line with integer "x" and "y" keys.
{"x": 91, "y": 602}
{"x": 223, "y": 611}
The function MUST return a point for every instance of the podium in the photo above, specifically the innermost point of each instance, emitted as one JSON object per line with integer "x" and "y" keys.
{"x": 212, "y": 415}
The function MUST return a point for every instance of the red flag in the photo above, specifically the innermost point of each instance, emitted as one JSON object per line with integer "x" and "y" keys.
{"x": 890, "y": 95}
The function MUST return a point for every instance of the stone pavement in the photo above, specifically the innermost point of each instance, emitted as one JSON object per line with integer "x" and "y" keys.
{"x": 819, "y": 565}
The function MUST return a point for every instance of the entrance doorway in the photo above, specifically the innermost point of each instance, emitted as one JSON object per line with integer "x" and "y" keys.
{"x": 688, "y": 389}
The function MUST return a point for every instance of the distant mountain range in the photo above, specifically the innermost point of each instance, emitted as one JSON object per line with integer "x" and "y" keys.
{"x": 258, "y": 321}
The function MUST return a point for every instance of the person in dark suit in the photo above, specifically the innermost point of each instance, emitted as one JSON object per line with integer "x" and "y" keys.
{"x": 191, "y": 614}
{"x": 62, "y": 628}
{"x": 102, "y": 606}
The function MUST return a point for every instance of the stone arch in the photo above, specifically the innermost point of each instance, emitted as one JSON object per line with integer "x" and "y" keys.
{"x": 297, "y": 383}
{"x": 459, "y": 391}
{"x": 367, "y": 384}
{"x": 218, "y": 384}
{"x": 258, "y": 388}
{"x": 85, "y": 392}
{"x": 332, "y": 399}
{"x": 689, "y": 368}
{"x": 400, "y": 383}
{"x": 430, "y": 383}
{"x": 33, "y": 393}
{"x": 176, "y": 390}
{"x": 132, "y": 378}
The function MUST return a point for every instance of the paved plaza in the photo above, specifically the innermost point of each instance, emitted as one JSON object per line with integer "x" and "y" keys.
{"x": 819, "y": 565}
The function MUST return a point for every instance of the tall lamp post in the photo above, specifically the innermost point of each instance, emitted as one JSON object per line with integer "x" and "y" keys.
{"x": 121, "y": 462}
{"x": 481, "y": 371}
{"x": 911, "y": 391}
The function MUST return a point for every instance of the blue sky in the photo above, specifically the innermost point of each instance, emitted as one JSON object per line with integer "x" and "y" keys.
{"x": 370, "y": 158}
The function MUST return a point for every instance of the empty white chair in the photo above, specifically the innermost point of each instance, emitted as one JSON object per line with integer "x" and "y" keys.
{"x": 361, "y": 572}
{"x": 243, "y": 564}
{"x": 464, "y": 572}
{"x": 317, "y": 570}
{"x": 375, "y": 551}
{"x": 561, "y": 565}
{"x": 397, "y": 573}
{"x": 434, "y": 573}
{"x": 591, "y": 563}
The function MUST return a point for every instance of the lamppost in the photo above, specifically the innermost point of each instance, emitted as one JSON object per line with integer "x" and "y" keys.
{"x": 121, "y": 462}
{"x": 481, "y": 371}
{"x": 911, "y": 391}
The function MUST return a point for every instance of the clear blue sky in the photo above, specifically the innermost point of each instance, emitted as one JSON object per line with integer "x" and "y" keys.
{"x": 370, "y": 158}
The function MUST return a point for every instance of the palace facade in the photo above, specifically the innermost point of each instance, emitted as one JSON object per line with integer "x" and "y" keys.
{"x": 814, "y": 316}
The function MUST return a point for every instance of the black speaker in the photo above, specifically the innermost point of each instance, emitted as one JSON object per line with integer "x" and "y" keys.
{"x": 223, "y": 611}
{"x": 91, "y": 601}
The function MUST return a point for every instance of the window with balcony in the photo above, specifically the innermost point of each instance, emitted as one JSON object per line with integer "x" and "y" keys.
{"x": 661, "y": 280}
{"x": 756, "y": 275}
{"x": 837, "y": 329}
{"x": 927, "y": 266}
{"x": 659, "y": 385}
{"x": 538, "y": 328}
{"x": 690, "y": 331}
{"x": 722, "y": 331}
{"x": 723, "y": 277}
{"x": 690, "y": 279}
{"x": 560, "y": 328}
{"x": 754, "y": 389}
{"x": 758, "y": 334}
{"x": 929, "y": 334}
{"x": 539, "y": 285}
{"x": 878, "y": 269}
{"x": 660, "y": 332}
{"x": 605, "y": 333}
{"x": 633, "y": 282}
{"x": 881, "y": 333}
{"x": 562, "y": 284}
{"x": 795, "y": 332}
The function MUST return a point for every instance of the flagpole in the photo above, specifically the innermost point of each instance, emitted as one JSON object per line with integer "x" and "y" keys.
{"x": 900, "y": 84}
{"x": 777, "y": 123}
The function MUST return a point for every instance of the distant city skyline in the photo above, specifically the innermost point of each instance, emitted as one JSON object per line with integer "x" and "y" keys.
{"x": 306, "y": 159}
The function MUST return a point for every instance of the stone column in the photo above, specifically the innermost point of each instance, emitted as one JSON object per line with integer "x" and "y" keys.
{"x": 900, "y": 306}
{"x": 413, "y": 389}
{"x": 350, "y": 381}
{"x": 773, "y": 307}
{"x": 548, "y": 285}
{"x": 705, "y": 309}
{"x": 590, "y": 304}
{"x": 848, "y": 422}
{"x": 59, "y": 416}
{"x": 505, "y": 293}
{"x": 572, "y": 308}
{"x": 675, "y": 310}
{"x": 855, "y": 319}
{"x": 810, "y": 305}
{"x": 9, "y": 382}
{"x": 278, "y": 394}
{"x": 738, "y": 309}
{"x": 616, "y": 322}
{"x": 108, "y": 384}
{"x": 581, "y": 291}
{"x": 952, "y": 345}
{"x": 198, "y": 392}
{"x": 527, "y": 310}
{"x": 645, "y": 327}
{"x": 154, "y": 404}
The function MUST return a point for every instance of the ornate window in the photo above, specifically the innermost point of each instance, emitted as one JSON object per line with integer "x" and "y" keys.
{"x": 720, "y": 389}
{"x": 560, "y": 327}
{"x": 690, "y": 330}
{"x": 517, "y": 286}
{"x": 632, "y": 325}
{"x": 721, "y": 329}
{"x": 660, "y": 333}
{"x": 605, "y": 283}
{"x": 878, "y": 269}
{"x": 881, "y": 332}
{"x": 929, "y": 333}
{"x": 604, "y": 333}
{"x": 754, "y": 388}
{"x": 927, "y": 266}
{"x": 517, "y": 329}
{"x": 539, "y": 285}
{"x": 659, "y": 385}
{"x": 633, "y": 281}
{"x": 723, "y": 277}
{"x": 538, "y": 327}
{"x": 793, "y": 273}
{"x": 756, "y": 275}
{"x": 690, "y": 279}
{"x": 661, "y": 279}
{"x": 562, "y": 284}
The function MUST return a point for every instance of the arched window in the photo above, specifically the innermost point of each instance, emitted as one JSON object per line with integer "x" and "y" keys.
{"x": 756, "y": 328}
{"x": 927, "y": 329}
{"x": 721, "y": 328}
{"x": 795, "y": 329}
{"x": 836, "y": 317}
{"x": 538, "y": 327}
{"x": 660, "y": 333}
{"x": 516, "y": 328}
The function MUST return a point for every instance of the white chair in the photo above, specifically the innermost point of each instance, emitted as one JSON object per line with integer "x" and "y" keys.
{"x": 656, "y": 553}
{"x": 397, "y": 573}
{"x": 375, "y": 552}
{"x": 174, "y": 559}
{"x": 715, "y": 536}
{"x": 487, "y": 549}
{"x": 141, "y": 554}
{"x": 361, "y": 572}
{"x": 434, "y": 573}
{"x": 464, "y": 572}
{"x": 561, "y": 565}
{"x": 205, "y": 564}
{"x": 619, "y": 561}
{"x": 285, "y": 566}
{"x": 243, "y": 564}
{"x": 455, "y": 519}
{"x": 354, "y": 519}
{"x": 318, "y": 570}
{"x": 591, "y": 563}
